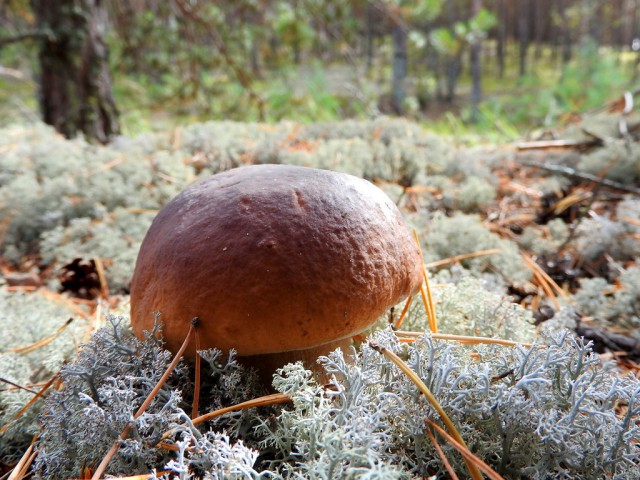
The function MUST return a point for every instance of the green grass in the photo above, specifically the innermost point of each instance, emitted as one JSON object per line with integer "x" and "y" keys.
{"x": 511, "y": 105}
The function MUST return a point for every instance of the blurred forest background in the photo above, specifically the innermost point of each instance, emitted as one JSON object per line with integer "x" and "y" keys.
{"x": 493, "y": 67}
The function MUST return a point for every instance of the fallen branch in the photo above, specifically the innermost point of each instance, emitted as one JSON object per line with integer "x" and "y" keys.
{"x": 570, "y": 172}
{"x": 607, "y": 340}
{"x": 566, "y": 143}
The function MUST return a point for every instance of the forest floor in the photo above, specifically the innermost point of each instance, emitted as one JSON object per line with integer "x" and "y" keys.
{"x": 552, "y": 224}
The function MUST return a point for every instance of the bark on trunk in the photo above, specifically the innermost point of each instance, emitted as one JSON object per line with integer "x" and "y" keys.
{"x": 565, "y": 33}
{"x": 398, "y": 87}
{"x": 502, "y": 35}
{"x": 75, "y": 84}
{"x": 370, "y": 35}
{"x": 476, "y": 73}
{"x": 523, "y": 33}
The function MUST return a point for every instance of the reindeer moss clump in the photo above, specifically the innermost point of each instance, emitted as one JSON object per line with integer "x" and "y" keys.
{"x": 540, "y": 412}
{"x": 616, "y": 236}
{"x": 618, "y": 159}
{"x": 97, "y": 201}
{"x": 461, "y": 234}
{"x": 26, "y": 320}
{"x": 617, "y": 305}
{"x": 105, "y": 386}
{"x": 545, "y": 240}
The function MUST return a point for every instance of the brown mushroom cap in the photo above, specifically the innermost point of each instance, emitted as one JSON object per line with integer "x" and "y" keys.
{"x": 273, "y": 258}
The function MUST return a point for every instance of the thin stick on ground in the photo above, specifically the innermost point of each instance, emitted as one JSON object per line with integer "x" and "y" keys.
{"x": 466, "y": 339}
{"x": 57, "y": 298}
{"x": 572, "y": 173}
{"x": 127, "y": 429}
{"x": 465, "y": 256}
{"x": 473, "y": 470}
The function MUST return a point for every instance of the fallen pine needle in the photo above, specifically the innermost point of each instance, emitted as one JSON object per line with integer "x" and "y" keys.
{"x": 467, "y": 339}
{"x": 546, "y": 276}
{"x": 15, "y": 386}
{"x": 413, "y": 376}
{"x": 442, "y": 456}
{"x": 94, "y": 322}
{"x": 56, "y": 297}
{"x": 43, "y": 341}
{"x": 104, "y": 286}
{"x": 30, "y": 402}
{"x": 400, "y": 321}
{"x": 143, "y": 476}
{"x": 465, "y": 256}
{"x": 196, "y": 388}
{"x": 273, "y": 399}
{"x": 433, "y": 326}
{"x": 571, "y": 200}
{"x": 427, "y": 298}
{"x": 20, "y": 470}
{"x": 633, "y": 221}
{"x": 141, "y": 210}
{"x": 546, "y": 282}
{"x": 466, "y": 454}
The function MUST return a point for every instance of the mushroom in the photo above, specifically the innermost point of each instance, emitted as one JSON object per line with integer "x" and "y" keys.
{"x": 278, "y": 262}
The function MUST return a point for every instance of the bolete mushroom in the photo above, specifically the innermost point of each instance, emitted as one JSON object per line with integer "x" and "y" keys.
{"x": 279, "y": 262}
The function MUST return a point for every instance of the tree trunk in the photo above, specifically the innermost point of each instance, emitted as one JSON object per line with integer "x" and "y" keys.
{"x": 370, "y": 36}
{"x": 453, "y": 60}
{"x": 398, "y": 87}
{"x": 538, "y": 27}
{"x": 453, "y": 68}
{"x": 501, "y": 8}
{"x": 476, "y": 73}
{"x": 75, "y": 85}
{"x": 565, "y": 33}
{"x": 523, "y": 33}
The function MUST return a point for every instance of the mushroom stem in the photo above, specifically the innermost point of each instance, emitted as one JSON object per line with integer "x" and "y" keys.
{"x": 267, "y": 364}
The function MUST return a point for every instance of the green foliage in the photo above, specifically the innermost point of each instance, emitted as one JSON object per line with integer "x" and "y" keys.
{"x": 307, "y": 101}
{"x": 543, "y": 95}
{"x": 587, "y": 82}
